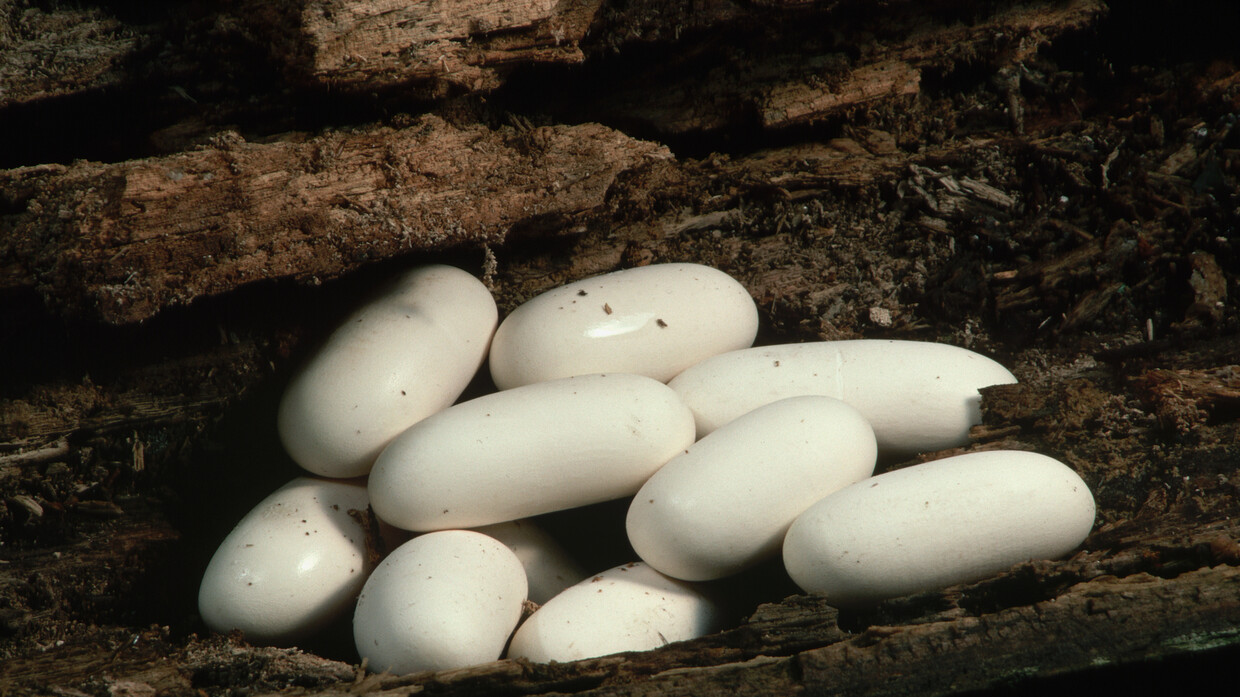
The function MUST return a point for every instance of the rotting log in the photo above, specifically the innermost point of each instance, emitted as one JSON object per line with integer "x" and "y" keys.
{"x": 440, "y": 45}
{"x": 51, "y": 51}
{"x": 120, "y": 242}
{"x": 797, "y": 71}
{"x": 799, "y": 76}
{"x": 802, "y": 70}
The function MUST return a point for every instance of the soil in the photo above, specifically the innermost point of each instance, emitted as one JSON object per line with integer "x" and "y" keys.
{"x": 1061, "y": 195}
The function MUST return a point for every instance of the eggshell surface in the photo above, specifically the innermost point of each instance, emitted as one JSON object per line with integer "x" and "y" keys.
{"x": 937, "y": 524}
{"x": 443, "y": 600}
{"x": 530, "y": 450}
{"x": 292, "y": 565}
{"x": 726, "y": 503}
{"x": 652, "y": 320}
{"x": 627, "y": 608}
{"x": 918, "y": 396}
{"x": 548, "y": 567}
{"x": 407, "y": 354}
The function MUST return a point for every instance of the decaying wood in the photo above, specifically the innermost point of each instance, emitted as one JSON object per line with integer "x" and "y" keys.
{"x": 894, "y": 67}
{"x": 43, "y": 585}
{"x": 122, "y": 241}
{"x": 141, "y": 397}
{"x": 438, "y": 45}
{"x": 804, "y": 76}
{"x": 1209, "y": 285}
{"x": 800, "y": 77}
{"x": 1184, "y": 399}
{"x": 50, "y": 51}
{"x": 454, "y": 45}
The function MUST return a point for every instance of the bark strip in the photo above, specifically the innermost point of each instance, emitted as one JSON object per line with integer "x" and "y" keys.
{"x": 120, "y": 242}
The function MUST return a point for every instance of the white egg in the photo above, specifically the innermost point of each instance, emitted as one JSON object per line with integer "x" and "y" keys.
{"x": 725, "y": 504}
{"x": 918, "y": 396}
{"x": 938, "y": 524}
{"x": 548, "y": 567}
{"x": 628, "y": 608}
{"x": 442, "y": 600}
{"x": 291, "y": 566}
{"x": 407, "y": 354}
{"x": 530, "y": 450}
{"x": 652, "y": 320}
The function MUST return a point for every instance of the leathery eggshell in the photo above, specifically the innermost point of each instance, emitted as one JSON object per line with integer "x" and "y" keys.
{"x": 918, "y": 396}
{"x": 442, "y": 600}
{"x": 627, "y": 608}
{"x": 651, "y": 320}
{"x": 938, "y": 524}
{"x": 292, "y": 565}
{"x": 407, "y": 354}
{"x": 548, "y": 567}
{"x": 530, "y": 450}
{"x": 725, "y": 503}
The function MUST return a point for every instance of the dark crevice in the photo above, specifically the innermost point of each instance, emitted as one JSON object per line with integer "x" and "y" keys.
{"x": 1186, "y": 674}
{"x": 911, "y": 609}
{"x": 1022, "y": 587}
{"x": 66, "y": 349}
{"x": 102, "y": 124}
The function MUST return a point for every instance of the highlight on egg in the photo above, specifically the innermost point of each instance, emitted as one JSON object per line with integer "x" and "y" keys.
{"x": 293, "y": 565}
{"x": 652, "y": 320}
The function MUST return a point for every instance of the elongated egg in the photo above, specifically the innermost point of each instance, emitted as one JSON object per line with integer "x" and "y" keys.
{"x": 407, "y": 354}
{"x": 726, "y": 503}
{"x": 937, "y": 524}
{"x": 652, "y": 320}
{"x": 918, "y": 396}
{"x": 530, "y": 450}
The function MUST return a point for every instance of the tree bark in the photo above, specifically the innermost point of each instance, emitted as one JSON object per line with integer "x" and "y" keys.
{"x": 439, "y": 46}
{"x": 123, "y": 241}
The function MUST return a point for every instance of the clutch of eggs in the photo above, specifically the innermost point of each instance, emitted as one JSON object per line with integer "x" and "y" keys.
{"x": 640, "y": 383}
